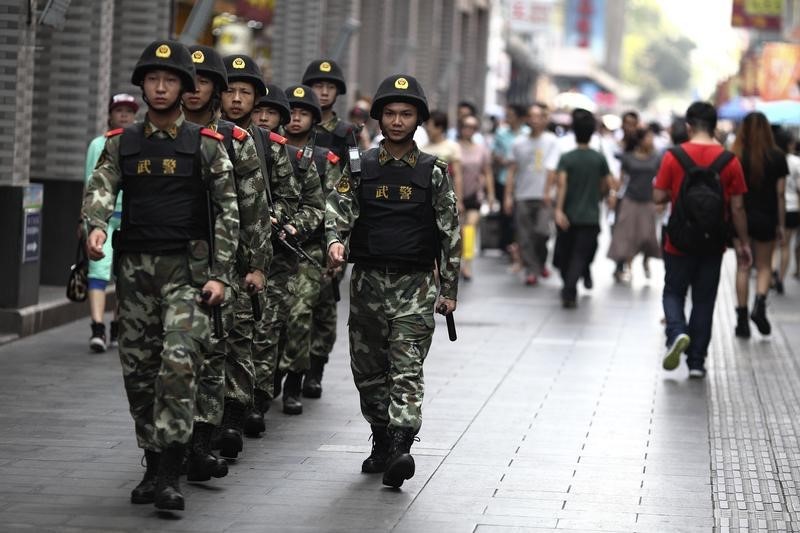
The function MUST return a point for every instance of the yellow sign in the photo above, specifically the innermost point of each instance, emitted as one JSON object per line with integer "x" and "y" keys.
{"x": 169, "y": 166}
{"x": 143, "y": 167}
{"x": 163, "y": 51}
{"x": 198, "y": 56}
{"x": 299, "y": 92}
{"x": 401, "y": 83}
{"x": 238, "y": 63}
{"x": 770, "y": 8}
{"x": 325, "y": 66}
{"x": 382, "y": 191}
{"x": 343, "y": 185}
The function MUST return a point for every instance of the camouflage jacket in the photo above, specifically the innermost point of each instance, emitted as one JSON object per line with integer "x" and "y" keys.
{"x": 283, "y": 185}
{"x": 105, "y": 183}
{"x": 255, "y": 248}
{"x": 342, "y": 211}
{"x": 312, "y": 203}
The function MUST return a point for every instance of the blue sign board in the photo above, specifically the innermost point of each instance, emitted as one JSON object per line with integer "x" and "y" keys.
{"x": 32, "y": 235}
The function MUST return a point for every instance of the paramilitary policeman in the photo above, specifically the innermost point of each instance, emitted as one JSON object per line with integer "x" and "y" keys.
{"x": 175, "y": 248}
{"x": 227, "y": 370}
{"x": 245, "y": 86}
{"x": 326, "y": 78}
{"x": 394, "y": 221}
{"x": 312, "y": 314}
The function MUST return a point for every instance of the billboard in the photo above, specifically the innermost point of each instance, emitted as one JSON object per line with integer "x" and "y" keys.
{"x": 762, "y": 15}
{"x": 780, "y": 72}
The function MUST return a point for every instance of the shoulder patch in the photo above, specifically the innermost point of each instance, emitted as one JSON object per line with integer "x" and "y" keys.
{"x": 441, "y": 163}
{"x": 274, "y": 137}
{"x": 240, "y": 134}
{"x": 211, "y": 133}
{"x": 114, "y": 133}
{"x": 333, "y": 158}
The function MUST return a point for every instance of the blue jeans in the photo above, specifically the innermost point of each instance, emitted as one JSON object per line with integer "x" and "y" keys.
{"x": 701, "y": 273}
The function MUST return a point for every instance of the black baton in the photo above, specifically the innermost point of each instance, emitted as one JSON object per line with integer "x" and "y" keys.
{"x": 255, "y": 303}
{"x": 451, "y": 323}
{"x": 216, "y": 316}
{"x": 335, "y": 288}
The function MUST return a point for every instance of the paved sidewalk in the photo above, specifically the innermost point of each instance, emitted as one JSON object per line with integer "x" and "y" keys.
{"x": 537, "y": 419}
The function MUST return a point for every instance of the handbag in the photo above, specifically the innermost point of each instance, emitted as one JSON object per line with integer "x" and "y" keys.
{"x": 78, "y": 281}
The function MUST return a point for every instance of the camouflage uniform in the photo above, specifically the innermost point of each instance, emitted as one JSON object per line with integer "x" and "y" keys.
{"x": 391, "y": 314}
{"x": 228, "y": 370}
{"x": 163, "y": 330}
{"x": 307, "y": 298}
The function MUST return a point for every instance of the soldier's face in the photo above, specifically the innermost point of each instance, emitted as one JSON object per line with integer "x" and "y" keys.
{"x": 326, "y": 92}
{"x": 238, "y": 100}
{"x": 399, "y": 121}
{"x": 204, "y": 89}
{"x": 162, "y": 89}
{"x": 300, "y": 122}
{"x": 266, "y": 117}
{"x": 121, "y": 117}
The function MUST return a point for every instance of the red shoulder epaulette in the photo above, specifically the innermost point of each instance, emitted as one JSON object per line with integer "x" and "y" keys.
{"x": 274, "y": 137}
{"x": 240, "y": 134}
{"x": 213, "y": 134}
{"x": 333, "y": 158}
{"x": 112, "y": 133}
{"x": 299, "y": 155}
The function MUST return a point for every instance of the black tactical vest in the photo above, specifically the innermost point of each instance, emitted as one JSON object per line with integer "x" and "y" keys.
{"x": 164, "y": 203}
{"x": 225, "y": 128}
{"x": 396, "y": 226}
{"x": 338, "y": 140}
{"x": 320, "y": 160}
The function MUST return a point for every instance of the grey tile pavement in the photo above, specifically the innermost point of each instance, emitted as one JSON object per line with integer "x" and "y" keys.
{"x": 537, "y": 419}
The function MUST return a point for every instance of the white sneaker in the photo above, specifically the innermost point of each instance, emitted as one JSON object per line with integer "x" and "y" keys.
{"x": 697, "y": 373}
{"x": 673, "y": 357}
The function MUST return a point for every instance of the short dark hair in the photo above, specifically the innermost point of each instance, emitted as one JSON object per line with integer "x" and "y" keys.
{"x": 677, "y": 131}
{"x": 584, "y": 125}
{"x": 702, "y": 116}
{"x": 439, "y": 119}
{"x": 519, "y": 110}
{"x": 632, "y": 114}
{"x": 472, "y": 109}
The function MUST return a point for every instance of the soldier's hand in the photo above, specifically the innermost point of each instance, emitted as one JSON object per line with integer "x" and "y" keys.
{"x": 256, "y": 280}
{"x": 215, "y": 291}
{"x": 445, "y": 306}
{"x": 94, "y": 245}
{"x": 336, "y": 255}
{"x": 291, "y": 230}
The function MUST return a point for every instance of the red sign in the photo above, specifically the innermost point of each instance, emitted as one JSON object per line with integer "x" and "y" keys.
{"x": 757, "y": 14}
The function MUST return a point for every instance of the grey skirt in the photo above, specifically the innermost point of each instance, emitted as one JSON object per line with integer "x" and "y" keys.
{"x": 634, "y": 231}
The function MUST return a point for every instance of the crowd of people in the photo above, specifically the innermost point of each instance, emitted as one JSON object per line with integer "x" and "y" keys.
{"x": 232, "y": 207}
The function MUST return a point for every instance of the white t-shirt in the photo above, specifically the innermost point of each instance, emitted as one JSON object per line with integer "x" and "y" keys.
{"x": 792, "y": 183}
{"x": 534, "y": 158}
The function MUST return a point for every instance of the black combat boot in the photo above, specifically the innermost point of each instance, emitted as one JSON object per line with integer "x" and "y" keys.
{"x": 376, "y": 462}
{"x": 145, "y": 491}
{"x": 291, "y": 394}
{"x": 254, "y": 424}
{"x": 400, "y": 465}
{"x": 276, "y": 383}
{"x": 759, "y": 314}
{"x": 230, "y": 433}
{"x": 202, "y": 464}
{"x": 742, "y": 324}
{"x": 168, "y": 488}
{"x": 312, "y": 383}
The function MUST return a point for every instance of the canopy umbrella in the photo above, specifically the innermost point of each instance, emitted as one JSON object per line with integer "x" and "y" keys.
{"x": 573, "y": 100}
{"x": 736, "y": 108}
{"x": 783, "y": 112}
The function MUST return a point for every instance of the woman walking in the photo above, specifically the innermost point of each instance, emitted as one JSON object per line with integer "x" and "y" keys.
{"x": 765, "y": 172}
{"x": 786, "y": 142}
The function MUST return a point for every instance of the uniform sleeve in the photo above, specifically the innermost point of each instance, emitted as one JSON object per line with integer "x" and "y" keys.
{"x": 92, "y": 155}
{"x": 332, "y": 175}
{"x": 255, "y": 248}
{"x": 217, "y": 172}
{"x": 102, "y": 189}
{"x": 341, "y": 209}
{"x": 284, "y": 186}
{"x": 444, "y": 206}
{"x": 312, "y": 203}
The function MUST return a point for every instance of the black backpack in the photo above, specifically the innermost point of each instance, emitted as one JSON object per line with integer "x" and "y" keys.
{"x": 697, "y": 225}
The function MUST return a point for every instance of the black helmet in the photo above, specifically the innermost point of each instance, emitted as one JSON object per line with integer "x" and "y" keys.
{"x": 208, "y": 62}
{"x": 274, "y": 97}
{"x": 166, "y": 55}
{"x": 243, "y": 68}
{"x": 325, "y": 70}
{"x": 400, "y": 88}
{"x": 304, "y": 96}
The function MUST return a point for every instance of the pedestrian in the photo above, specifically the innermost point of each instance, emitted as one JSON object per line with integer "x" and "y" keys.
{"x": 175, "y": 255}
{"x": 312, "y": 311}
{"x": 445, "y": 149}
{"x": 248, "y": 100}
{"x": 583, "y": 181}
{"x": 531, "y": 178}
{"x": 786, "y": 142}
{"x": 326, "y": 78}
{"x": 765, "y": 171}
{"x": 227, "y": 373}
{"x": 477, "y": 187}
{"x": 697, "y": 266}
{"x": 634, "y": 229}
{"x": 394, "y": 220}
{"x": 122, "y": 110}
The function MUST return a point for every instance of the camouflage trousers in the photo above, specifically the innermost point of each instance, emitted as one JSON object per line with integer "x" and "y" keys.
{"x": 270, "y": 334}
{"x": 227, "y": 370}
{"x": 296, "y": 353}
{"x": 163, "y": 332}
{"x": 391, "y": 328}
{"x": 323, "y": 320}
